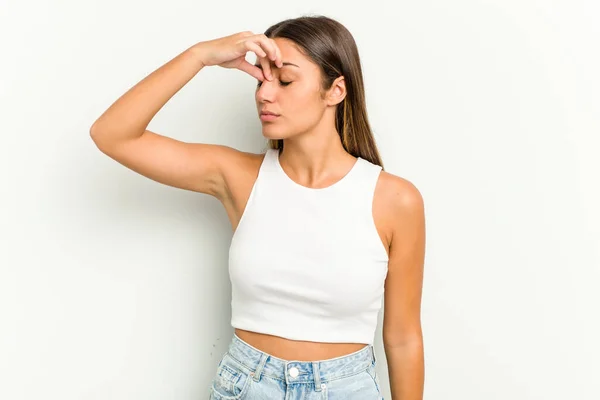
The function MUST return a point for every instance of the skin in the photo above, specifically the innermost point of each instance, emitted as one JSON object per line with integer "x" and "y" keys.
{"x": 314, "y": 157}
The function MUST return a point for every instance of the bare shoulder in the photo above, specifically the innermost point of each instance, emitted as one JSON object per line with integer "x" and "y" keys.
{"x": 247, "y": 165}
{"x": 252, "y": 159}
{"x": 239, "y": 181}
{"x": 237, "y": 167}
{"x": 396, "y": 192}
{"x": 396, "y": 201}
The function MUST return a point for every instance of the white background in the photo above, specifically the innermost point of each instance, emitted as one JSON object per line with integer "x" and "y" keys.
{"x": 113, "y": 286}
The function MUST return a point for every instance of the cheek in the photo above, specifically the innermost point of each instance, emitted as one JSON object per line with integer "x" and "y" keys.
{"x": 303, "y": 100}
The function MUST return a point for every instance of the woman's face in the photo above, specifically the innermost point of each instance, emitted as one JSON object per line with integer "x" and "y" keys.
{"x": 294, "y": 94}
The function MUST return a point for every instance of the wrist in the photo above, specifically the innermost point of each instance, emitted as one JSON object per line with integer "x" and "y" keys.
{"x": 198, "y": 52}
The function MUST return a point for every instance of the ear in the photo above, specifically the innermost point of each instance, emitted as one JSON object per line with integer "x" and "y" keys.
{"x": 337, "y": 92}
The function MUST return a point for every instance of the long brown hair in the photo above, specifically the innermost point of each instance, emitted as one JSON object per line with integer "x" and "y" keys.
{"x": 331, "y": 46}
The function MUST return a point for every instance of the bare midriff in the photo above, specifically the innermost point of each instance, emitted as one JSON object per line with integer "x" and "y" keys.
{"x": 297, "y": 350}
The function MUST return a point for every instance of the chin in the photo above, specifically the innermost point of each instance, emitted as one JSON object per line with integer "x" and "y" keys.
{"x": 272, "y": 134}
{"x": 269, "y": 135}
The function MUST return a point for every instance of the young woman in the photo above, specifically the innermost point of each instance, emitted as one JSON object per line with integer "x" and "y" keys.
{"x": 321, "y": 233}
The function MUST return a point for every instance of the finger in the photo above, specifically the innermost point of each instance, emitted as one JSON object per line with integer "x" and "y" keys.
{"x": 278, "y": 58}
{"x": 264, "y": 62}
{"x": 251, "y": 69}
{"x": 266, "y": 67}
{"x": 268, "y": 45}
{"x": 260, "y": 54}
{"x": 267, "y": 53}
{"x": 256, "y": 49}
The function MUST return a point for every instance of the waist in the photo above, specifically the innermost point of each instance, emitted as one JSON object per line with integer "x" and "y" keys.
{"x": 324, "y": 369}
{"x": 299, "y": 350}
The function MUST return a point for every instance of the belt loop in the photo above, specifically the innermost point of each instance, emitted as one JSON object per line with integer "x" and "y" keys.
{"x": 316, "y": 375}
{"x": 373, "y": 354}
{"x": 260, "y": 366}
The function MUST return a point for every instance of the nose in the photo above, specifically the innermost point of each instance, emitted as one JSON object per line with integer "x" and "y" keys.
{"x": 266, "y": 90}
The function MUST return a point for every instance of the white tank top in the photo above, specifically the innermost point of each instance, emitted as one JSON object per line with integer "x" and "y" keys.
{"x": 308, "y": 264}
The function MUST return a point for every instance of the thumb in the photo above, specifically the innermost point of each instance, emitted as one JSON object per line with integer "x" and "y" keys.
{"x": 251, "y": 69}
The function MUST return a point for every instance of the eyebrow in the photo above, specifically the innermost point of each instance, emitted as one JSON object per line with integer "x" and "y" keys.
{"x": 284, "y": 64}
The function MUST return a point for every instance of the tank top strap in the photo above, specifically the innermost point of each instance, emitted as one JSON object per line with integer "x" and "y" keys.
{"x": 269, "y": 164}
{"x": 362, "y": 176}
{"x": 366, "y": 177}
{"x": 292, "y": 242}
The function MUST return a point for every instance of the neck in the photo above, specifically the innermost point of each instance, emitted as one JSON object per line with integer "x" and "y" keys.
{"x": 316, "y": 157}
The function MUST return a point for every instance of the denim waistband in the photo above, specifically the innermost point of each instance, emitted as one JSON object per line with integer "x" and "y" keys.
{"x": 293, "y": 371}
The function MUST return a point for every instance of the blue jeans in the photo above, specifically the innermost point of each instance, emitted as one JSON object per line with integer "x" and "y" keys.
{"x": 246, "y": 373}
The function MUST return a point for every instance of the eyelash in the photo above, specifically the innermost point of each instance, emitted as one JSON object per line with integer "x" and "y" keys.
{"x": 281, "y": 82}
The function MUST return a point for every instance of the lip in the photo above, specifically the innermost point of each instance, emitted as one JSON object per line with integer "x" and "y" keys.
{"x": 268, "y": 117}
{"x": 267, "y": 112}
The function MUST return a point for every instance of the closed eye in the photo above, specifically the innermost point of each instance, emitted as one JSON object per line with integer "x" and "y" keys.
{"x": 282, "y": 83}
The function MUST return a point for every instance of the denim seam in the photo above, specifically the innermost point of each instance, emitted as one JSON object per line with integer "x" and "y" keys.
{"x": 322, "y": 379}
{"x": 283, "y": 380}
{"x": 242, "y": 364}
{"x": 243, "y": 391}
{"x": 372, "y": 375}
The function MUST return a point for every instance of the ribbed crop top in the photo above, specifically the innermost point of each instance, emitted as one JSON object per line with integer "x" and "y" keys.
{"x": 305, "y": 263}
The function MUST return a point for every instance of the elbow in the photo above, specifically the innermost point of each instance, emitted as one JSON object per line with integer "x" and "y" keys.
{"x": 94, "y": 132}
{"x": 403, "y": 341}
{"x": 95, "y": 136}
{"x": 98, "y": 138}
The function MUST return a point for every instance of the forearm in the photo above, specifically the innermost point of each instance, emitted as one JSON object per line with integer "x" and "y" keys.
{"x": 129, "y": 116}
{"x": 406, "y": 371}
